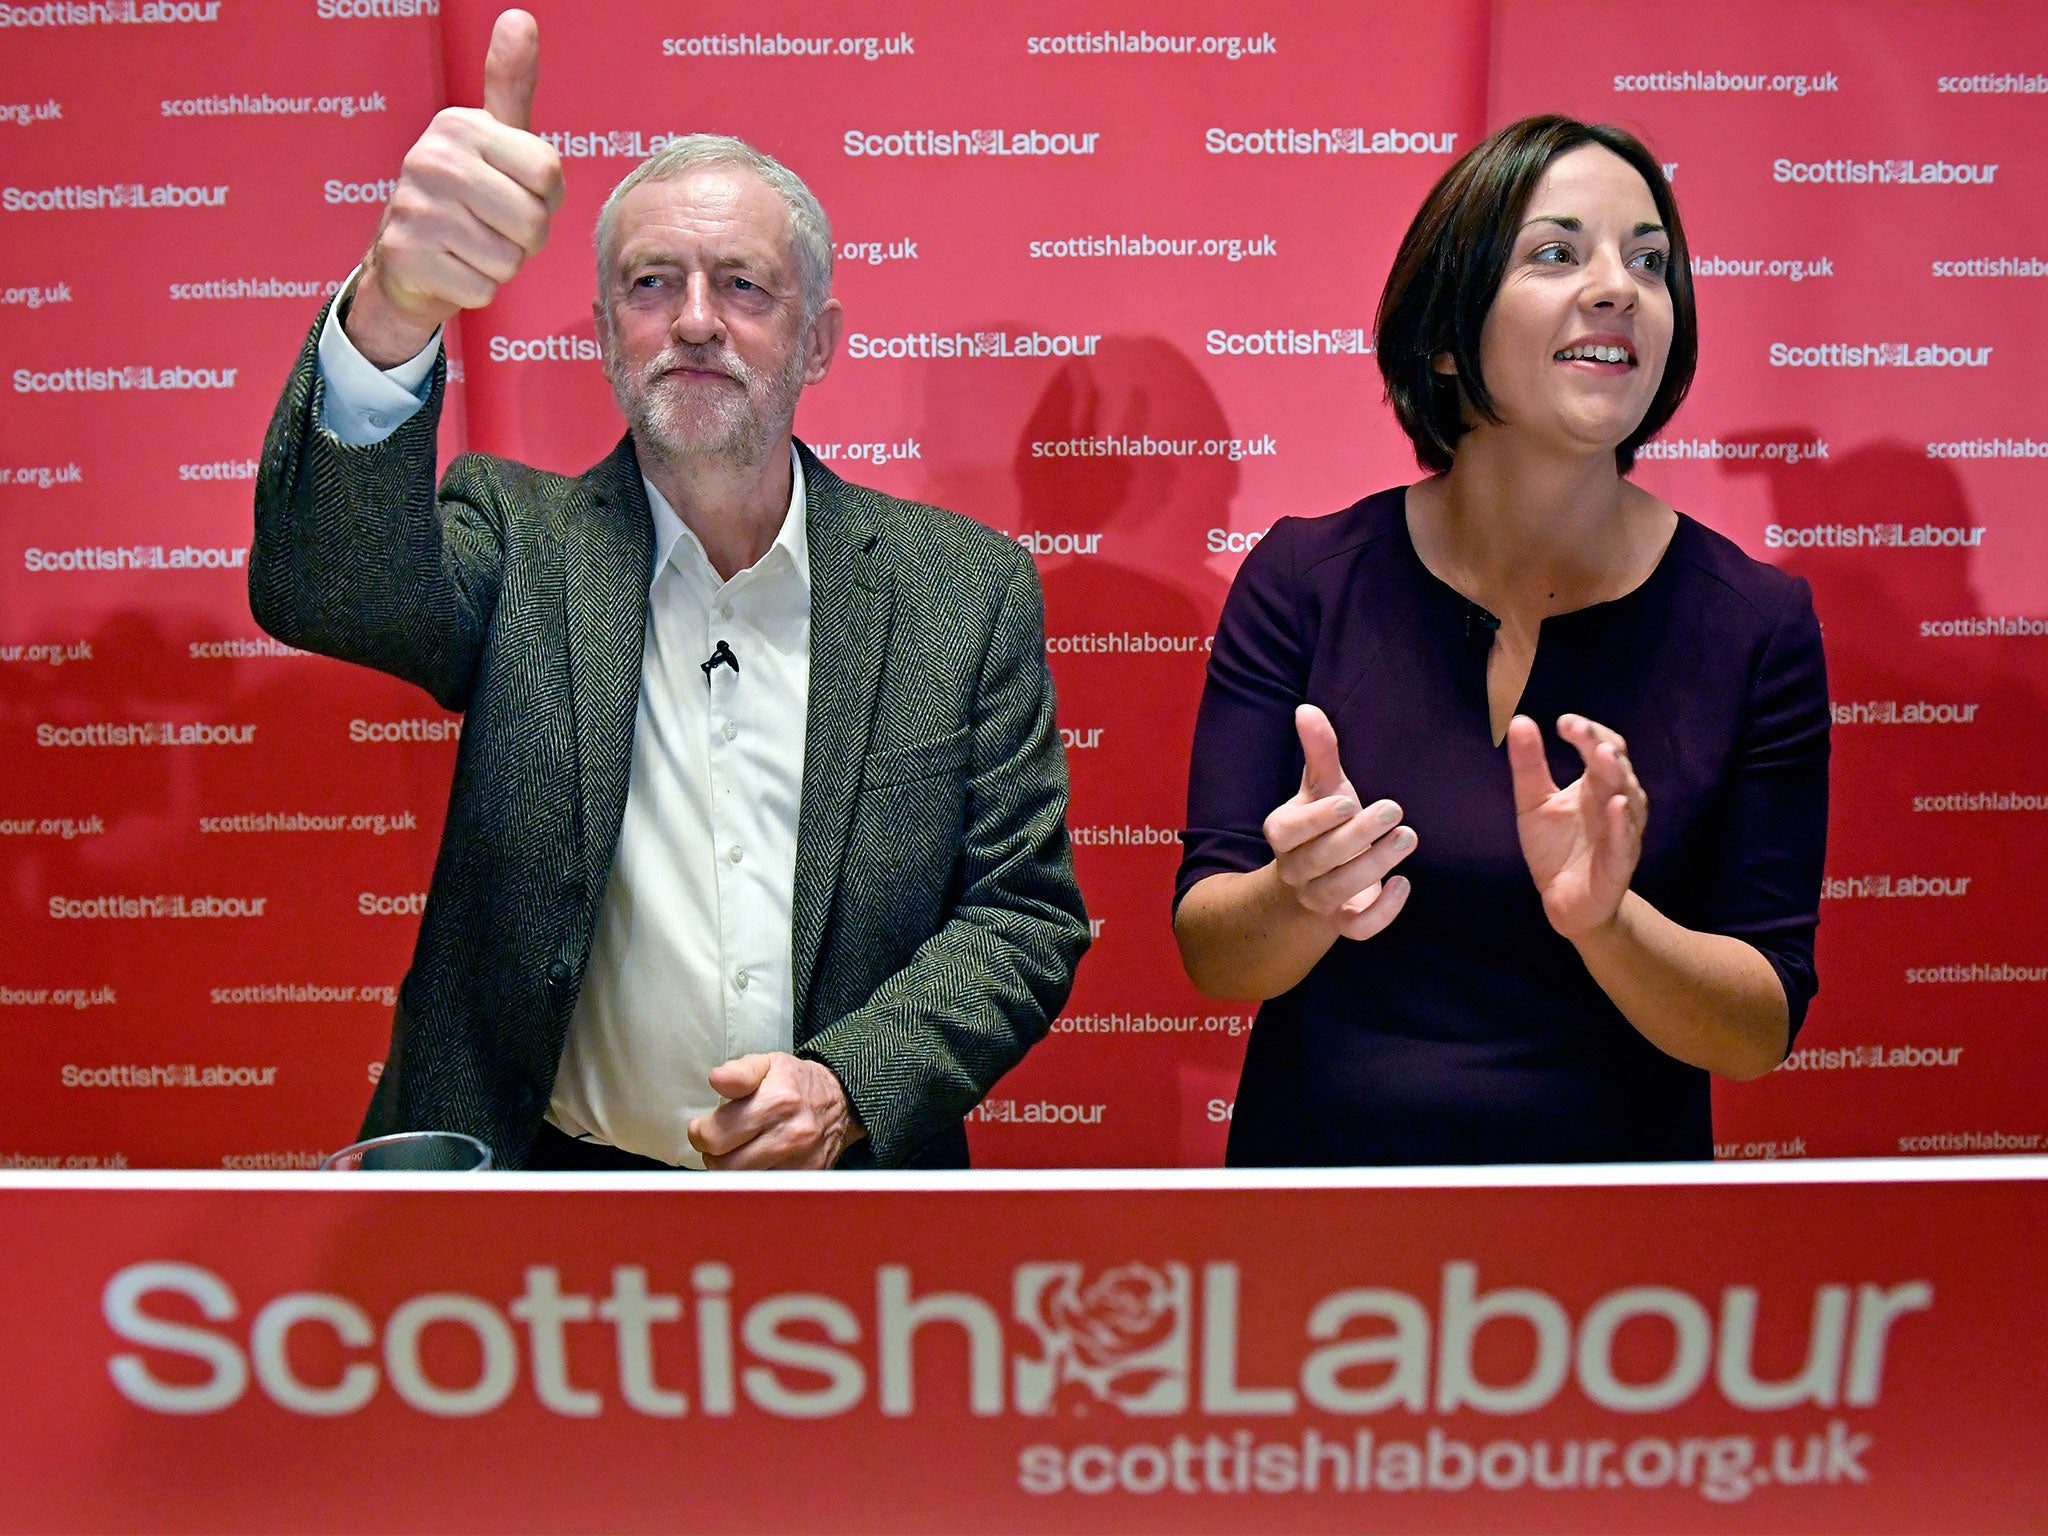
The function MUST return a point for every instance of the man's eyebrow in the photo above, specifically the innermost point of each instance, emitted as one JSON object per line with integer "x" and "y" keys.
{"x": 664, "y": 258}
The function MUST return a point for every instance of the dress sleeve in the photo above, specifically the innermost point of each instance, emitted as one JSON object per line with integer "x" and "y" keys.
{"x": 1247, "y": 757}
{"x": 1764, "y": 880}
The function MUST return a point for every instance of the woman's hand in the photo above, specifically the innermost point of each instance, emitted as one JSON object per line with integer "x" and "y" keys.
{"x": 1581, "y": 842}
{"x": 1332, "y": 854}
{"x": 1257, "y": 934}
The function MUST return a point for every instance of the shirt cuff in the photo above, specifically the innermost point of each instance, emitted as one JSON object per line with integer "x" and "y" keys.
{"x": 362, "y": 403}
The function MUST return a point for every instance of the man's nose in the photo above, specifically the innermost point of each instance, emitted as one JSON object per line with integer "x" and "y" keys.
{"x": 696, "y": 319}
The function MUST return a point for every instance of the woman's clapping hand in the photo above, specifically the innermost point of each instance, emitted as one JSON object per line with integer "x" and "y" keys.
{"x": 1332, "y": 853}
{"x": 1581, "y": 842}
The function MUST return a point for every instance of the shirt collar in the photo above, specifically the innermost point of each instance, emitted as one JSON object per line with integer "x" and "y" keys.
{"x": 793, "y": 538}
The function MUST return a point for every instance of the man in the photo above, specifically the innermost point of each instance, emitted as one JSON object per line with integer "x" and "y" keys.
{"x": 756, "y": 853}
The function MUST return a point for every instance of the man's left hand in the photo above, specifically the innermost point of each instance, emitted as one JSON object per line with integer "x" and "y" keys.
{"x": 781, "y": 1111}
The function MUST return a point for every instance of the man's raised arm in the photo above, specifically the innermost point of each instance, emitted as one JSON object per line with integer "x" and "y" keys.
{"x": 472, "y": 203}
{"x": 353, "y": 555}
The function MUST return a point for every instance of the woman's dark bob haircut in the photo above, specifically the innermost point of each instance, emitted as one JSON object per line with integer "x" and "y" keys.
{"x": 1451, "y": 264}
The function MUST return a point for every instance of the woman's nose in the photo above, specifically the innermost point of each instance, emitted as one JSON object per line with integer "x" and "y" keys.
{"x": 1607, "y": 283}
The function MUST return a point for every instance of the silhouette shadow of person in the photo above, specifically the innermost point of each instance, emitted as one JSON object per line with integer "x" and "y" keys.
{"x": 1116, "y": 493}
{"x": 1933, "y": 718}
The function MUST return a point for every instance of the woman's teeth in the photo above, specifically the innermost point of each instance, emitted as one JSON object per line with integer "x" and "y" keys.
{"x": 1594, "y": 355}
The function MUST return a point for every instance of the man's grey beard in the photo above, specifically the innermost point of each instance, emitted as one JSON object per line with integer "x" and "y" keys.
{"x": 743, "y": 425}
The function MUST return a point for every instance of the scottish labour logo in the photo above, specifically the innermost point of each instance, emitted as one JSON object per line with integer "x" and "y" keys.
{"x": 1120, "y": 1338}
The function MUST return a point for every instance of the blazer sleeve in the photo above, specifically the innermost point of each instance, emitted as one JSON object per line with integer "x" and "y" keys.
{"x": 357, "y": 557}
{"x": 934, "y": 1037}
{"x": 1762, "y": 883}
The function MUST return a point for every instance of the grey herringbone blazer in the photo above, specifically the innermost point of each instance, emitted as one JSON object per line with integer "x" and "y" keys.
{"x": 937, "y": 922}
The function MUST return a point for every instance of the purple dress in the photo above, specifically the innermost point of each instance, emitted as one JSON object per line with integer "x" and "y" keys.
{"x": 1469, "y": 1031}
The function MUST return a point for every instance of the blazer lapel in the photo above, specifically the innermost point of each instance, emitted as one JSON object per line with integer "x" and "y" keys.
{"x": 850, "y": 612}
{"x": 609, "y": 553}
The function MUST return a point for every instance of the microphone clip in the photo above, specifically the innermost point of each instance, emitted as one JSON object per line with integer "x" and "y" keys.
{"x": 721, "y": 657}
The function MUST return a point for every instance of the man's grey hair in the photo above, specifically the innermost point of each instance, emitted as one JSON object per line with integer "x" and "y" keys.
{"x": 810, "y": 232}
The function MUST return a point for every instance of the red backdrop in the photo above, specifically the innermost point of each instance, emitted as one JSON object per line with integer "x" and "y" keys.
{"x": 1158, "y": 240}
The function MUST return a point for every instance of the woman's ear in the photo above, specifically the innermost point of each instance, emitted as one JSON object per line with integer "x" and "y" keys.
{"x": 1443, "y": 362}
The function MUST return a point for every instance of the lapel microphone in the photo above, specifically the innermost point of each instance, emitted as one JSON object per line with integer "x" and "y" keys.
{"x": 722, "y": 657}
{"x": 1479, "y": 625}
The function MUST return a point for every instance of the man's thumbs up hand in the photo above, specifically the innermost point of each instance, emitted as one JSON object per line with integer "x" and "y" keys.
{"x": 473, "y": 200}
{"x": 1331, "y": 852}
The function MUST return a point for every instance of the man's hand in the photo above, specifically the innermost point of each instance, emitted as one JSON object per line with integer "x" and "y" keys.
{"x": 1332, "y": 853}
{"x": 472, "y": 203}
{"x": 1581, "y": 842}
{"x": 782, "y": 1111}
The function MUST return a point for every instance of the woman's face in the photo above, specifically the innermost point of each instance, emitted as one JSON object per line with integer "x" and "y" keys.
{"x": 1574, "y": 347}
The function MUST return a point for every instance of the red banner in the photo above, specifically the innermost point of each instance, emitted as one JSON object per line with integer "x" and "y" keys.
{"x": 1729, "y": 1350}
{"x": 1109, "y": 282}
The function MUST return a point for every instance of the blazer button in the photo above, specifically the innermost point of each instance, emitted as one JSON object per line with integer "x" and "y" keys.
{"x": 558, "y": 980}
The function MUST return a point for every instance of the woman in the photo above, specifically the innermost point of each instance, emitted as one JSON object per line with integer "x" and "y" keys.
{"x": 1407, "y": 683}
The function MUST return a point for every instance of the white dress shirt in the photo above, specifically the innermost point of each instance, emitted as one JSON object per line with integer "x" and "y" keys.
{"x": 690, "y": 963}
{"x": 363, "y": 403}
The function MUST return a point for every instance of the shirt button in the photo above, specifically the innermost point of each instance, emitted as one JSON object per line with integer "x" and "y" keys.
{"x": 735, "y": 854}
{"x": 731, "y": 730}
{"x": 377, "y": 420}
{"x": 725, "y": 610}
{"x": 739, "y": 979}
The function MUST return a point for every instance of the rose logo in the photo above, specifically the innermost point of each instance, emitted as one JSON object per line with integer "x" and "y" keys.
{"x": 1127, "y": 1310}
{"x": 1121, "y": 1338}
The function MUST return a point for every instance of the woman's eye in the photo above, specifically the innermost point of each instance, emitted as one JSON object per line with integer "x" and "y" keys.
{"x": 1556, "y": 255}
{"x": 1654, "y": 261}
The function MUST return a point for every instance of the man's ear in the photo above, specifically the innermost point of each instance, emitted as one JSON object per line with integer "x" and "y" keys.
{"x": 824, "y": 340}
{"x": 603, "y": 326}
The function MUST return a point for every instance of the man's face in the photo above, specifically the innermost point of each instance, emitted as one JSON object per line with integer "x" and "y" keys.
{"x": 702, "y": 316}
